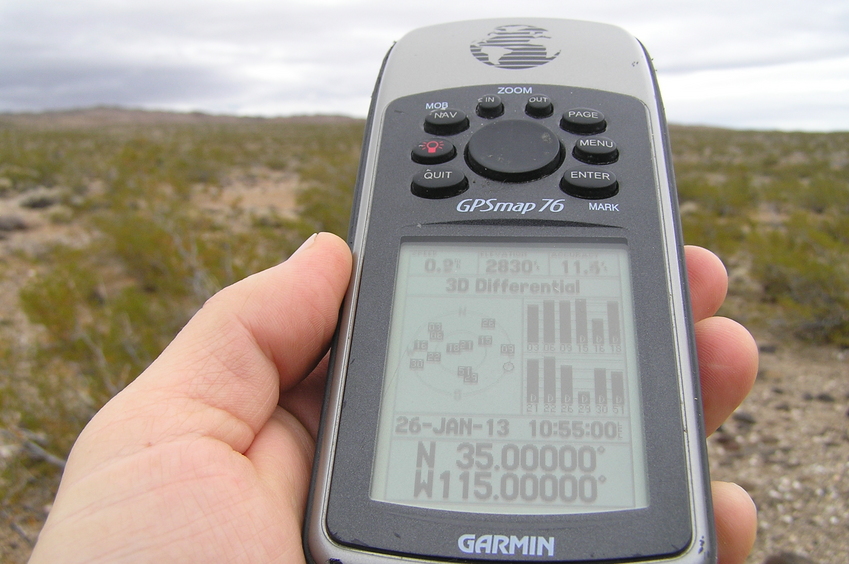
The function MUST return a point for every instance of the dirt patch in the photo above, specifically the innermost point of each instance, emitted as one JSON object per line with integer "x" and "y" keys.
{"x": 26, "y": 231}
{"x": 788, "y": 446}
{"x": 258, "y": 192}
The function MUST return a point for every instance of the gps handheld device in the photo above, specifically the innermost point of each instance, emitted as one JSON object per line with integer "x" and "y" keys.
{"x": 514, "y": 377}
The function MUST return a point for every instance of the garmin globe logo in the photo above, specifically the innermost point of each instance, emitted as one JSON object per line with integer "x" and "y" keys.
{"x": 515, "y": 47}
{"x": 502, "y": 544}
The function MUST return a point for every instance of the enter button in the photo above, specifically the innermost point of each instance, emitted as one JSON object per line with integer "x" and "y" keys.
{"x": 590, "y": 184}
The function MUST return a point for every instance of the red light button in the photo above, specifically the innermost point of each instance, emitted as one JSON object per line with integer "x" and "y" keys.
{"x": 434, "y": 151}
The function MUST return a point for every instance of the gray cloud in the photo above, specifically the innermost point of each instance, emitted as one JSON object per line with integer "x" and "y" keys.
{"x": 321, "y": 56}
{"x": 60, "y": 85}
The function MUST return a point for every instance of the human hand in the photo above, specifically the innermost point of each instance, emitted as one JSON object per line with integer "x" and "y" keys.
{"x": 206, "y": 456}
{"x": 728, "y": 364}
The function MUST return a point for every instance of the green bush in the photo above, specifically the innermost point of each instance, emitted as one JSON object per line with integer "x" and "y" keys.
{"x": 107, "y": 305}
{"x": 803, "y": 268}
{"x": 773, "y": 205}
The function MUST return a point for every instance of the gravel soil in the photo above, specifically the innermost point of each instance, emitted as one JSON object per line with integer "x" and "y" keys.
{"x": 788, "y": 446}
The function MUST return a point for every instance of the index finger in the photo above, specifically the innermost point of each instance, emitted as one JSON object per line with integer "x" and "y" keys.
{"x": 728, "y": 355}
{"x": 708, "y": 281}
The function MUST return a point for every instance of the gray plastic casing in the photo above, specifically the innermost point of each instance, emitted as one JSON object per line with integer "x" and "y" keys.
{"x": 592, "y": 56}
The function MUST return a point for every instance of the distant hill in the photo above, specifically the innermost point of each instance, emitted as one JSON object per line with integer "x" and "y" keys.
{"x": 106, "y": 115}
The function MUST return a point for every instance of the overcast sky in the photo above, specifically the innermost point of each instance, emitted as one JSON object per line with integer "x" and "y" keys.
{"x": 766, "y": 64}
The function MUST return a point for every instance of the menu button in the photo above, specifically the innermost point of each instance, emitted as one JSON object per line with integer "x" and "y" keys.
{"x": 596, "y": 150}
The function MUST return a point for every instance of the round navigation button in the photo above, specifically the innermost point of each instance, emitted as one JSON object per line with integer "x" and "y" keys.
{"x": 439, "y": 183}
{"x": 583, "y": 121}
{"x": 514, "y": 150}
{"x": 446, "y": 122}
{"x": 590, "y": 184}
{"x": 596, "y": 150}
{"x": 433, "y": 151}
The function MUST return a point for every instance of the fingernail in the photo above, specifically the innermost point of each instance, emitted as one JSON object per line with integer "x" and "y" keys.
{"x": 306, "y": 244}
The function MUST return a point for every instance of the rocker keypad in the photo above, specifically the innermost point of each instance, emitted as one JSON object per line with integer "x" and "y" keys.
{"x": 511, "y": 150}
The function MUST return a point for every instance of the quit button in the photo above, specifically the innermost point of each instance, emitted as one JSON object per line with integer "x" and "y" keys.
{"x": 438, "y": 183}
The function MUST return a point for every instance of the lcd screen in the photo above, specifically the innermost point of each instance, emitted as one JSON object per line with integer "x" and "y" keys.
{"x": 511, "y": 382}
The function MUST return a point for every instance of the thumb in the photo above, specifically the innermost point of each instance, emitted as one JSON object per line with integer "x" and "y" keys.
{"x": 221, "y": 376}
